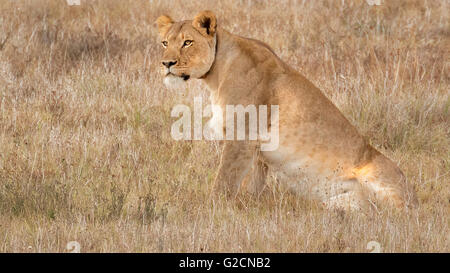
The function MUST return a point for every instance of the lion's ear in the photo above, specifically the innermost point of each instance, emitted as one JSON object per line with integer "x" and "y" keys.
{"x": 164, "y": 23}
{"x": 205, "y": 22}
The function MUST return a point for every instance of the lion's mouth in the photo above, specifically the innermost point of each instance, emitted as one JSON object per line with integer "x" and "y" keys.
{"x": 185, "y": 77}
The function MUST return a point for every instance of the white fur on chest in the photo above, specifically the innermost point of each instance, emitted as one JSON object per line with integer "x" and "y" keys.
{"x": 215, "y": 124}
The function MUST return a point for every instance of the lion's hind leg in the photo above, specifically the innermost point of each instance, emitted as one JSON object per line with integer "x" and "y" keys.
{"x": 346, "y": 195}
{"x": 384, "y": 180}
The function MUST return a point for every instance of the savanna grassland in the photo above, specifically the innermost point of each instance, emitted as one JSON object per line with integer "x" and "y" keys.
{"x": 86, "y": 153}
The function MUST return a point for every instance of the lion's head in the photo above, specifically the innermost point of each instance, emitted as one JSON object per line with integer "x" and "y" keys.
{"x": 189, "y": 46}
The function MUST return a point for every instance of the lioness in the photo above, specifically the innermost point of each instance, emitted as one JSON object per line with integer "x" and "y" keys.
{"x": 320, "y": 155}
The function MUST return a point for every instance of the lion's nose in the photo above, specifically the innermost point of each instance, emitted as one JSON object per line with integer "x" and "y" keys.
{"x": 168, "y": 64}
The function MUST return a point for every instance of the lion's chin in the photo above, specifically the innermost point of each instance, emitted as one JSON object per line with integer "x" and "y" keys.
{"x": 174, "y": 82}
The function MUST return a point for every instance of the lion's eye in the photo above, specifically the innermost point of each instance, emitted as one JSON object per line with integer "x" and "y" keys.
{"x": 165, "y": 43}
{"x": 187, "y": 43}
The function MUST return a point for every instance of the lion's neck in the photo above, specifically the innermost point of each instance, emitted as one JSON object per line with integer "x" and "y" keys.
{"x": 224, "y": 42}
{"x": 229, "y": 49}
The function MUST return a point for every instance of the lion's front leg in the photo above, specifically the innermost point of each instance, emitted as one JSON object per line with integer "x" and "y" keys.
{"x": 235, "y": 164}
{"x": 255, "y": 181}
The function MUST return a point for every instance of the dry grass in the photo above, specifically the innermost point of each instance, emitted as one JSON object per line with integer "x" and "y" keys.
{"x": 85, "y": 146}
